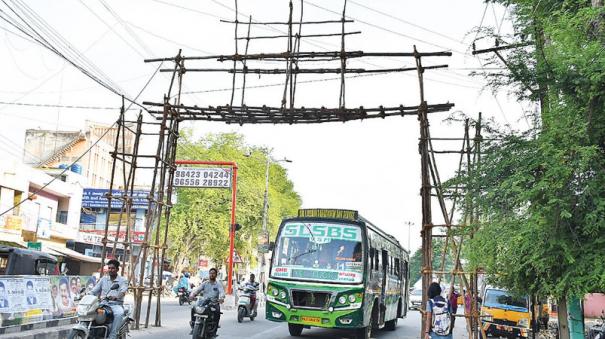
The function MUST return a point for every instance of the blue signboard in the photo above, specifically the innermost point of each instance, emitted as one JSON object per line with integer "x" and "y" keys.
{"x": 96, "y": 198}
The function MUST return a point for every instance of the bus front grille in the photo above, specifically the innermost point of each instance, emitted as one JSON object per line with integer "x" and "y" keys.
{"x": 317, "y": 300}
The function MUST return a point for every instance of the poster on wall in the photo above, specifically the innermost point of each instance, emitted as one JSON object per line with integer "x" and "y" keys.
{"x": 27, "y": 299}
{"x": 37, "y": 293}
{"x": 11, "y": 295}
{"x": 11, "y": 301}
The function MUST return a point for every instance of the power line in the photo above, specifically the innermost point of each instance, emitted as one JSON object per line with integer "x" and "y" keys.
{"x": 68, "y": 53}
{"x": 33, "y": 156}
{"x": 384, "y": 28}
{"x": 87, "y": 150}
{"x": 57, "y": 106}
{"x": 168, "y": 40}
{"x": 406, "y": 22}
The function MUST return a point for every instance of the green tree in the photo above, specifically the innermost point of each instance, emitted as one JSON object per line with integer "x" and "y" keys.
{"x": 200, "y": 220}
{"x": 542, "y": 193}
{"x": 416, "y": 261}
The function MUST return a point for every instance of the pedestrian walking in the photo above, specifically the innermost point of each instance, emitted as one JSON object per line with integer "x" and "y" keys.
{"x": 439, "y": 314}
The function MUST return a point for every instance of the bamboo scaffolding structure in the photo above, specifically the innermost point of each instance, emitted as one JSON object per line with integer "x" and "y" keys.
{"x": 168, "y": 114}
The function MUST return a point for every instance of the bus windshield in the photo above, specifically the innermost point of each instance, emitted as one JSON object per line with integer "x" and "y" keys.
{"x": 319, "y": 251}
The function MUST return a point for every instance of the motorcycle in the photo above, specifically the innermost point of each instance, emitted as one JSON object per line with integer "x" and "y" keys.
{"x": 183, "y": 296}
{"x": 95, "y": 318}
{"x": 205, "y": 324}
{"x": 597, "y": 331}
{"x": 246, "y": 304}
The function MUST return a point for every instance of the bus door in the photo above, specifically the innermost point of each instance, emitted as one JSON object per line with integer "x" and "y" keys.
{"x": 385, "y": 277}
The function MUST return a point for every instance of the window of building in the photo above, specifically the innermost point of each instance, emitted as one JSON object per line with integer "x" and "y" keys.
{"x": 16, "y": 202}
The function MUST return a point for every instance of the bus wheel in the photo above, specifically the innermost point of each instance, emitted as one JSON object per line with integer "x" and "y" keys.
{"x": 364, "y": 332}
{"x": 391, "y": 325}
{"x": 295, "y": 329}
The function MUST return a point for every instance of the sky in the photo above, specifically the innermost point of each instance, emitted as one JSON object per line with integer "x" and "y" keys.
{"x": 371, "y": 166}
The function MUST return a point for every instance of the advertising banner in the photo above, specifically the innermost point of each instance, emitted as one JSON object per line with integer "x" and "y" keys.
{"x": 205, "y": 177}
{"x": 97, "y": 198}
{"x": 27, "y": 299}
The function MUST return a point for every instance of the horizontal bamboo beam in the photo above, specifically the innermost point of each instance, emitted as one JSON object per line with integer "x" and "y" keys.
{"x": 301, "y": 55}
{"x": 287, "y": 23}
{"x": 302, "y": 70}
{"x": 295, "y": 36}
{"x": 274, "y": 115}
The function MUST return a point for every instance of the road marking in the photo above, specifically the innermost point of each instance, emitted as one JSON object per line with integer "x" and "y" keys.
{"x": 264, "y": 333}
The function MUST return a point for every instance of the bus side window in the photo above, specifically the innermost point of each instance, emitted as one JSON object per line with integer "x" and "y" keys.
{"x": 376, "y": 260}
{"x": 371, "y": 258}
{"x": 397, "y": 268}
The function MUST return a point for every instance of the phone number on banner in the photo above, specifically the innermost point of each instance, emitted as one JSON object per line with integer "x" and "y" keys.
{"x": 202, "y": 177}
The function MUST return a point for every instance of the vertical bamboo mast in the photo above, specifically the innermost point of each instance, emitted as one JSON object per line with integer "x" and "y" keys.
{"x": 343, "y": 59}
{"x": 170, "y": 167}
{"x": 295, "y": 60}
{"x": 115, "y": 157}
{"x": 244, "y": 66}
{"x": 284, "y": 101}
{"x": 425, "y": 193}
{"x": 128, "y": 241}
{"x": 236, "y": 55}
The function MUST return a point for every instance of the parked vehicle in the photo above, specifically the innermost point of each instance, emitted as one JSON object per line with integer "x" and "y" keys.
{"x": 18, "y": 261}
{"x": 597, "y": 331}
{"x": 415, "y": 299}
{"x": 246, "y": 304}
{"x": 505, "y": 314}
{"x": 95, "y": 318}
{"x": 206, "y": 322}
{"x": 183, "y": 296}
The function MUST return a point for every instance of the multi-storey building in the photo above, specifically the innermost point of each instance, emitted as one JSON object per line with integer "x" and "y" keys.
{"x": 54, "y": 149}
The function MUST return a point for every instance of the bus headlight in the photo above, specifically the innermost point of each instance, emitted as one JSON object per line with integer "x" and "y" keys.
{"x": 342, "y": 299}
{"x": 275, "y": 292}
{"x": 352, "y": 298}
{"x": 282, "y": 294}
{"x": 524, "y": 322}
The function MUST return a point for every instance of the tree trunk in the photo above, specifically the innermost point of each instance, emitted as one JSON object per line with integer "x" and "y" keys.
{"x": 562, "y": 317}
{"x": 597, "y": 3}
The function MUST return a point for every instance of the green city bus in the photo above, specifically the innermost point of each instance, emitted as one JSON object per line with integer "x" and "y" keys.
{"x": 334, "y": 269}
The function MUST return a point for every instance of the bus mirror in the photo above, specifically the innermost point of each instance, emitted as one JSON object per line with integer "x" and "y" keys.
{"x": 271, "y": 245}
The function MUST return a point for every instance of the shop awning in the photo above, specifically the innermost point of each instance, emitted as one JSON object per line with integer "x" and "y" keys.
{"x": 73, "y": 254}
{"x": 12, "y": 240}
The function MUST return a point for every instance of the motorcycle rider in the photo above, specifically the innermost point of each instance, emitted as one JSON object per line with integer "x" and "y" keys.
{"x": 210, "y": 289}
{"x": 115, "y": 297}
{"x": 183, "y": 282}
{"x": 253, "y": 287}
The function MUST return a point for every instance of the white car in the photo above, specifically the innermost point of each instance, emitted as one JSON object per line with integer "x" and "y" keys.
{"x": 415, "y": 299}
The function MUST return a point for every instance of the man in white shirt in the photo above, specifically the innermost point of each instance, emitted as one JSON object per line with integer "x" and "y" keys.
{"x": 115, "y": 297}
{"x": 210, "y": 289}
